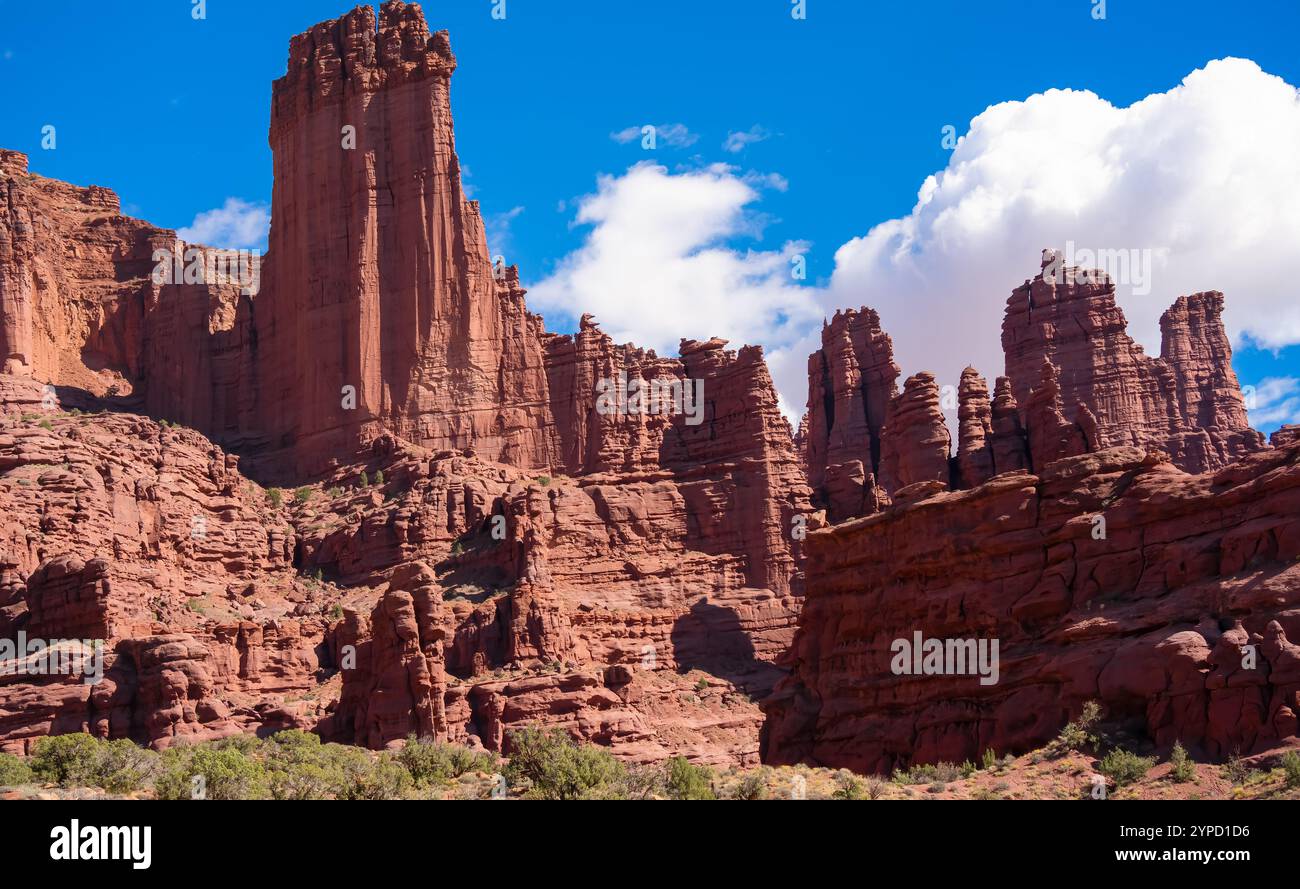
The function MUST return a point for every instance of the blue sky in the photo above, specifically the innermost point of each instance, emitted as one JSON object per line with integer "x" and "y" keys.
{"x": 172, "y": 113}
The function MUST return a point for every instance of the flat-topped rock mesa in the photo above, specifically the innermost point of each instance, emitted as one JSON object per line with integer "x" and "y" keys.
{"x": 1075, "y": 382}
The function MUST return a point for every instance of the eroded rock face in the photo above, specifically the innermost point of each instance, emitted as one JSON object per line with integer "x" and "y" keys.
{"x": 1148, "y": 616}
{"x": 1186, "y": 403}
{"x": 486, "y": 541}
{"x": 1075, "y": 382}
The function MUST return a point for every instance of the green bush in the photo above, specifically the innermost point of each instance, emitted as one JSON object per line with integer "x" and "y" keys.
{"x": 274, "y": 496}
{"x": 303, "y": 494}
{"x": 14, "y": 770}
{"x": 752, "y": 786}
{"x": 990, "y": 758}
{"x": 299, "y": 766}
{"x": 364, "y": 479}
{"x": 381, "y": 778}
{"x": 1291, "y": 768}
{"x": 228, "y": 773}
{"x": 555, "y": 767}
{"x": 78, "y": 760}
{"x": 1182, "y": 767}
{"x": 1123, "y": 767}
{"x": 431, "y": 763}
{"x": 929, "y": 773}
{"x": 543, "y": 480}
{"x": 686, "y": 781}
{"x": 66, "y": 760}
{"x": 1078, "y": 734}
{"x": 379, "y": 477}
{"x": 124, "y": 767}
{"x": 847, "y": 786}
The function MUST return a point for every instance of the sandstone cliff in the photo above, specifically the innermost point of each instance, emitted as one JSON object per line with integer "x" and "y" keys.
{"x": 477, "y": 542}
{"x": 1111, "y": 576}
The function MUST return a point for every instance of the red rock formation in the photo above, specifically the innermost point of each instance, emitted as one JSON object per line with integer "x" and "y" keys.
{"x": 655, "y": 548}
{"x": 1186, "y": 403}
{"x": 1146, "y": 616}
{"x": 915, "y": 443}
{"x": 851, "y": 381}
{"x": 975, "y": 460}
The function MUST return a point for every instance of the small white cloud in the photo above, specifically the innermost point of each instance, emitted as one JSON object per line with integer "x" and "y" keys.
{"x": 674, "y": 135}
{"x": 1274, "y": 401}
{"x": 236, "y": 225}
{"x": 737, "y": 141}
{"x": 774, "y": 181}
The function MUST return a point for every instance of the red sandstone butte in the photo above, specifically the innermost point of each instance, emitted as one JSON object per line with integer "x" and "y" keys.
{"x": 525, "y": 558}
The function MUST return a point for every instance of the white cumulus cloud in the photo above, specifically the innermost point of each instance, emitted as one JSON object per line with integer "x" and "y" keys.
{"x": 235, "y": 225}
{"x": 1203, "y": 181}
{"x": 659, "y": 264}
{"x": 1200, "y": 185}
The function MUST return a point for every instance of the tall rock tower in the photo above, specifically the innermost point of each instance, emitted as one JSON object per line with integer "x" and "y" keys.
{"x": 380, "y": 307}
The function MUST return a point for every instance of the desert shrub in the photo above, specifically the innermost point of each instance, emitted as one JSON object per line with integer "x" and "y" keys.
{"x": 228, "y": 773}
{"x": 556, "y": 767}
{"x": 299, "y": 766}
{"x": 1235, "y": 770}
{"x": 430, "y": 762}
{"x": 124, "y": 767}
{"x": 275, "y": 497}
{"x": 364, "y": 479}
{"x": 686, "y": 781}
{"x": 752, "y": 786}
{"x": 336, "y": 611}
{"x": 1124, "y": 767}
{"x": 303, "y": 494}
{"x": 379, "y": 477}
{"x": 543, "y": 480}
{"x": 380, "y": 778}
{"x": 927, "y": 773}
{"x": 1291, "y": 768}
{"x": 1183, "y": 769}
{"x": 990, "y": 758}
{"x": 641, "y": 782}
{"x": 67, "y": 760}
{"x": 1078, "y": 734}
{"x": 847, "y": 786}
{"x": 13, "y": 770}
